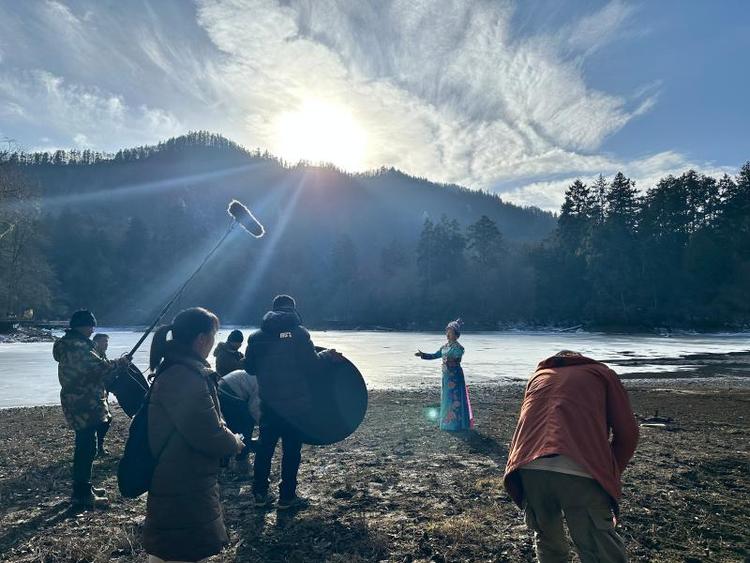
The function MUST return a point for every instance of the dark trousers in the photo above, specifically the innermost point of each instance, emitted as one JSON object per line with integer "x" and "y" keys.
{"x": 238, "y": 418}
{"x": 83, "y": 459}
{"x": 273, "y": 428}
{"x": 584, "y": 506}
{"x": 101, "y": 432}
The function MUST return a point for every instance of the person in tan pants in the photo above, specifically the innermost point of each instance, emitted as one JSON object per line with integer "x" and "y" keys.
{"x": 562, "y": 464}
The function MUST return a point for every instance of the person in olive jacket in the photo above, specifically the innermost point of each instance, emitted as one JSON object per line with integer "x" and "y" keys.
{"x": 282, "y": 356}
{"x": 188, "y": 438}
{"x": 84, "y": 375}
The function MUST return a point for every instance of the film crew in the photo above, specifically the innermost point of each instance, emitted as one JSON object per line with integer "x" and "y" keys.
{"x": 240, "y": 405}
{"x": 101, "y": 343}
{"x": 282, "y": 355}
{"x": 84, "y": 376}
{"x": 228, "y": 355}
{"x": 188, "y": 438}
{"x": 563, "y": 462}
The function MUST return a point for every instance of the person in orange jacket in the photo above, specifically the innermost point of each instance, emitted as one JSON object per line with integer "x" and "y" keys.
{"x": 562, "y": 460}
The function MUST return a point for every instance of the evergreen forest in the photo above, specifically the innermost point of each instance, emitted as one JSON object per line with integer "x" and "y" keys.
{"x": 119, "y": 233}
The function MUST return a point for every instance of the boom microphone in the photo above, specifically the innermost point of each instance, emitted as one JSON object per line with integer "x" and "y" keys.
{"x": 245, "y": 219}
{"x": 242, "y": 217}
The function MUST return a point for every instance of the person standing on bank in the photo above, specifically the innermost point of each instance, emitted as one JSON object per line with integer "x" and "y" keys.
{"x": 455, "y": 408}
{"x": 188, "y": 438}
{"x": 228, "y": 355}
{"x": 101, "y": 343}
{"x": 563, "y": 462}
{"x": 283, "y": 357}
{"x": 84, "y": 376}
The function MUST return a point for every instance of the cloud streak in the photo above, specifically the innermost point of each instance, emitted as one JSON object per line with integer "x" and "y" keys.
{"x": 450, "y": 90}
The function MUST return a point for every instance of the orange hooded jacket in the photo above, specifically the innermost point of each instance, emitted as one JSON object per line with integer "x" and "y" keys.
{"x": 571, "y": 405}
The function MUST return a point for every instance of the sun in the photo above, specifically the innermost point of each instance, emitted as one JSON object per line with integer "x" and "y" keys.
{"x": 321, "y": 132}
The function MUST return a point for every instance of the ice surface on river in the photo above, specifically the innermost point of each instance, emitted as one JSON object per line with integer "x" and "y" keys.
{"x": 28, "y": 374}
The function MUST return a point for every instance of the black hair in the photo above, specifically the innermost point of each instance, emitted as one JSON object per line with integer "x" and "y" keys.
{"x": 235, "y": 336}
{"x": 185, "y": 328}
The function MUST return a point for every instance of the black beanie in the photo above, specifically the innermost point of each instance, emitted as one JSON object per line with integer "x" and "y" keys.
{"x": 235, "y": 336}
{"x": 284, "y": 303}
{"x": 82, "y": 318}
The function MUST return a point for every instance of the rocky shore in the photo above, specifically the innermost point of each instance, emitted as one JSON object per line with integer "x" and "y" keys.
{"x": 27, "y": 334}
{"x": 400, "y": 490}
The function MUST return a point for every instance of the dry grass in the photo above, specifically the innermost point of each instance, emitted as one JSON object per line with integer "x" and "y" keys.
{"x": 400, "y": 490}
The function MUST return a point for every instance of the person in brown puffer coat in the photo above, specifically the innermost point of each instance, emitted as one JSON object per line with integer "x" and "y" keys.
{"x": 188, "y": 438}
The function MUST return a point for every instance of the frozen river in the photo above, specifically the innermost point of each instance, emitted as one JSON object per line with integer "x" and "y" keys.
{"x": 28, "y": 374}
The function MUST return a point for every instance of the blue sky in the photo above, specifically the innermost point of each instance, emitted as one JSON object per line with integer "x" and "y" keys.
{"x": 514, "y": 97}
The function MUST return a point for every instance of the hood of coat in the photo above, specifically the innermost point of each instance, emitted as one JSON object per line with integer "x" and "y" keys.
{"x": 70, "y": 339}
{"x": 276, "y": 322}
{"x": 559, "y": 361}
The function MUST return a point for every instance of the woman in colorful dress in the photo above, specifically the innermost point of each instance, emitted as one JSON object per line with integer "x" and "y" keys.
{"x": 455, "y": 408}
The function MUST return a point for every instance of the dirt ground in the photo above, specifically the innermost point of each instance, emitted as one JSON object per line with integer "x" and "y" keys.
{"x": 401, "y": 490}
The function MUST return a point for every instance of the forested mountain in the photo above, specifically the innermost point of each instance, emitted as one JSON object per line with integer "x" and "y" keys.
{"x": 120, "y": 233}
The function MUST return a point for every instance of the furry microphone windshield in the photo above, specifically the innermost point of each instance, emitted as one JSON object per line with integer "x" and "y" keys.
{"x": 246, "y": 219}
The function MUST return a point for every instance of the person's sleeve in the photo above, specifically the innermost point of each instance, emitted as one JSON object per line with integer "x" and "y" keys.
{"x": 238, "y": 363}
{"x": 249, "y": 363}
{"x": 621, "y": 421}
{"x": 195, "y": 417}
{"x": 306, "y": 353}
{"x": 95, "y": 367}
{"x": 434, "y": 356}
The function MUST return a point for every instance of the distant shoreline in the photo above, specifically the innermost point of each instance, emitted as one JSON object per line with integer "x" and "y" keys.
{"x": 30, "y": 334}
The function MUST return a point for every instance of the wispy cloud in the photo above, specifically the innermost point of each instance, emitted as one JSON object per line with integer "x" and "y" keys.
{"x": 87, "y": 116}
{"x": 447, "y": 89}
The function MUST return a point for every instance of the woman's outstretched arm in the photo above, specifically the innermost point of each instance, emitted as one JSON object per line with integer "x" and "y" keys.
{"x": 426, "y": 356}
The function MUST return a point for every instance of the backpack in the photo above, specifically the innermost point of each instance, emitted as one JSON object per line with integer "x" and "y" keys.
{"x": 136, "y": 468}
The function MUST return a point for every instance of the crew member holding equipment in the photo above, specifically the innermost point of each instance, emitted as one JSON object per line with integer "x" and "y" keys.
{"x": 240, "y": 406}
{"x": 101, "y": 343}
{"x": 282, "y": 355}
{"x": 228, "y": 355}
{"x": 84, "y": 376}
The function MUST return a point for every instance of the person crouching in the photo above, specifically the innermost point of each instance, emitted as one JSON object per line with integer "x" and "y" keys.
{"x": 561, "y": 460}
{"x": 240, "y": 405}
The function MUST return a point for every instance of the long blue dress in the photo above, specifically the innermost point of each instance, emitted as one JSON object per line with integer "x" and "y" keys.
{"x": 455, "y": 410}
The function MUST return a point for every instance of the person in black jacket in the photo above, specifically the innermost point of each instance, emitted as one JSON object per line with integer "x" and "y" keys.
{"x": 228, "y": 355}
{"x": 282, "y": 356}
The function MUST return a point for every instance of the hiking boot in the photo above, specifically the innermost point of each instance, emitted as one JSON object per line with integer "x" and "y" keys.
{"x": 294, "y": 503}
{"x": 262, "y": 500}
